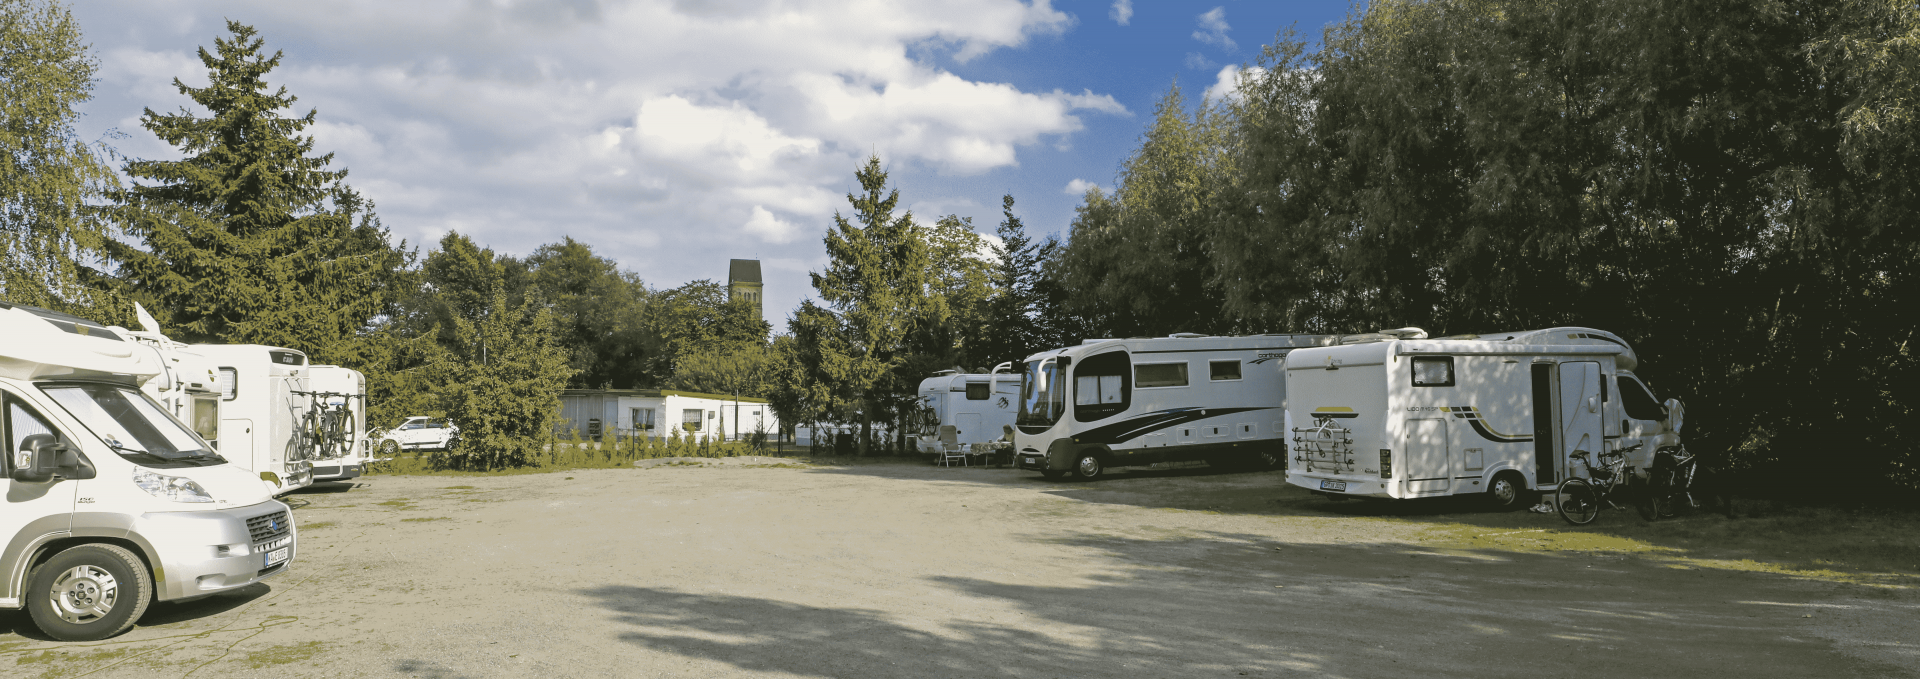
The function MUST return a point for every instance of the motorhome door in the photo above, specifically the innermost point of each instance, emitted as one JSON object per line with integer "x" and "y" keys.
{"x": 1580, "y": 412}
{"x": 1429, "y": 462}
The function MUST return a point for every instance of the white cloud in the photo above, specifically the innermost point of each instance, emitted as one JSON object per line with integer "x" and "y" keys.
{"x": 1226, "y": 85}
{"x": 1122, "y": 11}
{"x": 770, "y": 228}
{"x": 1079, "y": 187}
{"x": 669, "y": 134}
{"x": 1198, "y": 61}
{"x": 1213, "y": 28}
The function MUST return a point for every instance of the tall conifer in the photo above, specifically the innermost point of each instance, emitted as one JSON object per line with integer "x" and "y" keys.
{"x": 251, "y": 238}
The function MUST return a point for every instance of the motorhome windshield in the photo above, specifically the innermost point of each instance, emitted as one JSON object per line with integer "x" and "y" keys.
{"x": 133, "y": 425}
{"x": 1043, "y": 398}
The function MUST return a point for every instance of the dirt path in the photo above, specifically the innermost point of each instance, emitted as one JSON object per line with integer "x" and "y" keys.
{"x": 897, "y": 570}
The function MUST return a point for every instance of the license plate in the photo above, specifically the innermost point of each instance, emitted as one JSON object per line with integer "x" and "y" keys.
{"x": 1033, "y": 461}
{"x": 277, "y": 556}
{"x": 1333, "y": 485}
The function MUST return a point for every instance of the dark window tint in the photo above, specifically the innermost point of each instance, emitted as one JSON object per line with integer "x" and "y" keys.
{"x": 978, "y": 391}
{"x": 1433, "y": 371}
{"x": 287, "y": 357}
{"x": 1639, "y": 402}
{"x": 1100, "y": 387}
{"x": 1160, "y": 375}
{"x": 1223, "y": 370}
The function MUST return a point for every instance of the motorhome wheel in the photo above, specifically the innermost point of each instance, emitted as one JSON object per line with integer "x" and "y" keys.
{"x": 1088, "y": 467}
{"x": 88, "y": 593}
{"x": 1504, "y": 492}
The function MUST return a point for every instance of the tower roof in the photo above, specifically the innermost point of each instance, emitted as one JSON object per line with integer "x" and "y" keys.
{"x": 743, "y": 271}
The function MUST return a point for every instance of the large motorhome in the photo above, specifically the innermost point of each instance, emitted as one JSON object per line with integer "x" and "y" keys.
{"x": 341, "y": 394}
{"x": 1128, "y": 402}
{"x": 264, "y": 403}
{"x": 1402, "y": 416}
{"x": 111, "y": 503}
{"x": 979, "y": 407}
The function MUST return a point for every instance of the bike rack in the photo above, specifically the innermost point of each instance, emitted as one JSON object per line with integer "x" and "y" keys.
{"x": 1326, "y": 445}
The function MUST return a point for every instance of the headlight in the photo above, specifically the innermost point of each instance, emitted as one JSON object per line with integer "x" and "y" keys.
{"x": 175, "y": 488}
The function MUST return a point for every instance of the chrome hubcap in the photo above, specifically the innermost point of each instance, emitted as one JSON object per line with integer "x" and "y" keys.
{"x": 84, "y": 594}
{"x": 1089, "y": 466}
{"x": 1503, "y": 491}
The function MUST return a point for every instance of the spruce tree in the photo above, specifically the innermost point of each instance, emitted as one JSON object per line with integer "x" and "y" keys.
{"x": 875, "y": 288}
{"x": 251, "y": 238}
{"x": 1015, "y": 273}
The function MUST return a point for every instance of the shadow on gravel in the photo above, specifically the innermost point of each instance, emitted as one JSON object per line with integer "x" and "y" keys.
{"x": 1811, "y": 541}
{"x": 164, "y": 613}
{"x": 1231, "y": 605}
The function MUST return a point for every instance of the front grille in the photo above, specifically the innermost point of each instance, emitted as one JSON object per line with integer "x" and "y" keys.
{"x": 268, "y": 526}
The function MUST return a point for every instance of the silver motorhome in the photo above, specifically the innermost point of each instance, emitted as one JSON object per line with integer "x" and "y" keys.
{"x": 111, "y": 503}
{"x": 1403, "y": 416}
{"x": 1128, "y": 402}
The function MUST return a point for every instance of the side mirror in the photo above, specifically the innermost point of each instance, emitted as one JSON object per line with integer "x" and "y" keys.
{"x": 39, "y": 458}
{"x": 1676, "y": 415}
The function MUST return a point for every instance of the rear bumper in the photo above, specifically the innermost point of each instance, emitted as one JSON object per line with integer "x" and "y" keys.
{"x": 1362, "y": 485}
{"x": 340, "y": 472}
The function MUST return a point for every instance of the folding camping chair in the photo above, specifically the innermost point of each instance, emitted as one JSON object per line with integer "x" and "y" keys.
{"x": 950, "y": 448}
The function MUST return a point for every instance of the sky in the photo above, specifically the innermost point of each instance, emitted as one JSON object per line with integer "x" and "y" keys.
{"x": 673, "y": 135}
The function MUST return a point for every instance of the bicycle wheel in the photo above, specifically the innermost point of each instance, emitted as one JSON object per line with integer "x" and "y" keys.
{"x": 1578, "y": 503}
{"x": 1656, "y": 499}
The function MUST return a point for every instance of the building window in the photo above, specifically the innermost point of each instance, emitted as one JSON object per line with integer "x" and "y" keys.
{"x": 643, "y": 419}
{"x": 692, "y": 418}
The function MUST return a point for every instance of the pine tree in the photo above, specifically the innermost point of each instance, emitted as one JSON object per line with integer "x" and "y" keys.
{"x": 250, "y": 238}
{"x": 875, "y": 287}
{"x": 47, "y": 175}
{"x": 1014, "y": 305}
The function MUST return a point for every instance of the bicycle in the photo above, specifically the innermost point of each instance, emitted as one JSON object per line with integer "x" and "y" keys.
{"x": 1579, "y": 500}
{"x": 1676, "y": 481}
{"x": 327, "y": 427}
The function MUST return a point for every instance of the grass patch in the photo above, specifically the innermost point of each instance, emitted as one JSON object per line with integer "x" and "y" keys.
{"x": 317, "y": 525}
{"x": 284, "y": 654}
{"x": 565, "y": 455}
{"x": 458, "y": 488}
{"x": 427, "y": 518}
{"x": 63, "y": 663}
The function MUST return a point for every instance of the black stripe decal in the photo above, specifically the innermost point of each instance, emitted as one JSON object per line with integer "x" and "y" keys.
{"x": 1121, "y": 432}
{"x": 1481, "y": 428}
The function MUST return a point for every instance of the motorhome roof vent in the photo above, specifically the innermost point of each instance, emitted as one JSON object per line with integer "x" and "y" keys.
{"x": 1186, "y": 335}
{"x": 1406, "y": 333}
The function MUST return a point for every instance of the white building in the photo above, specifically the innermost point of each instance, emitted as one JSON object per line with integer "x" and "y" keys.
{"x": 653, "y": 412}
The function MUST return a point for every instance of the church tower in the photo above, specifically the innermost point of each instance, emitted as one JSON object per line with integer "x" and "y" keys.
{"x": 743, "y": 282}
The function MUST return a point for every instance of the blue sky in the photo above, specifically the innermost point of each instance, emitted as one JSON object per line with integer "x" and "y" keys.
{"x": 673, "y": 135}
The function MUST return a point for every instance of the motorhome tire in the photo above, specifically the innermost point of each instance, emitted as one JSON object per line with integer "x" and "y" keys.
{"x": 89, "y": 592}
{"x": 1088, "y": 467}
{"x": 1577, "y": 502}
{"x": 1271, "y": 459}
{"x": 1505, "y": 492}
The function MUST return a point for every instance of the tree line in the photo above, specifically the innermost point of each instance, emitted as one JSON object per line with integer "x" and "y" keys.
{"x": 1731, "y": 185}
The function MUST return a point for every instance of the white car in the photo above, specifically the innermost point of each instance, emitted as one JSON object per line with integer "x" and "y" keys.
{"x": 418, "y": 433}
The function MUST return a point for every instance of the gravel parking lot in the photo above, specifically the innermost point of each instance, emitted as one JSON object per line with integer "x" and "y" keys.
{"x": 892, "y": 569}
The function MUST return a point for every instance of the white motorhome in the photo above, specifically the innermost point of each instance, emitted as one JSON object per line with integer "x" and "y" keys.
{"x": 187, "y": 386}
{"x": 1398, "y": 415}
{"x": 978, "y": 406}
{"x": 1112, "y": 403}
{"x": 111, "y": 503}
{"x": 342, "y": 395}
{"x": 264, "y": 402}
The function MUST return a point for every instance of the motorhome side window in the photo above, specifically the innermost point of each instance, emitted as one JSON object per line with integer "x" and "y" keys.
{"x": 978, "y": 391}
{"x": 1100, "y": 388}
{"x": 21, "y": 423}
{"x": 1150, "y": 375}
{"x": 1639, "y": 402}
{"x": 1223, "y": 370}
{"x": 227, "y": 382}
{"x": 1433, "y": 371}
